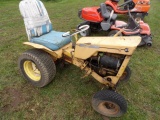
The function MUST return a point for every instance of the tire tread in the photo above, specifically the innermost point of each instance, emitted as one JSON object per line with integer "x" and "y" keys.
{"x": 108, "y": 95}
{"x": 45, "y": 62}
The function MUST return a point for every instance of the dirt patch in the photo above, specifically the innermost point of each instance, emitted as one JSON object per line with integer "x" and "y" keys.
{"x": 26, "y": 99}
{"x": 12, "y": 98}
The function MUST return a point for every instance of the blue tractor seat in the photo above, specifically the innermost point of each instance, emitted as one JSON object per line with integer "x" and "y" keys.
{"x": 52, "y": 40}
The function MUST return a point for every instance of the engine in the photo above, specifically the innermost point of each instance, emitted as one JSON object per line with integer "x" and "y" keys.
{"x": 106, "y": 64}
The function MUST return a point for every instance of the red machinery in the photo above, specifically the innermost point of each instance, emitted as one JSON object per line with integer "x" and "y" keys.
{"x": 140, "y": 10}
{"x": 99, "y": 18}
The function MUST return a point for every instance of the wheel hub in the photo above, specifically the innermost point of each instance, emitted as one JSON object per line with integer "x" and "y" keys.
{"x": 109, "y": 107}
{"x": 31, "y": 70}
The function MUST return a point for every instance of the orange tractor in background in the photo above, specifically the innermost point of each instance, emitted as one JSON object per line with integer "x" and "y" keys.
{"x": 139, "y": 11}
{"x": 101, "y": 19}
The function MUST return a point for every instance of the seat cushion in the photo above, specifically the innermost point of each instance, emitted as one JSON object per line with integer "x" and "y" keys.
{"x": 52, "y": 40}
{"x": 104, "y": 11}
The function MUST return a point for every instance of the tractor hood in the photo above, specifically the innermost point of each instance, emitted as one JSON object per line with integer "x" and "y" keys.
{"x": 89, "y": 46}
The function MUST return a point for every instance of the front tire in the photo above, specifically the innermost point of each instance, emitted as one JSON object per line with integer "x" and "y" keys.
{"x": 109, "y": 103}
{"x": 87, "y": 32}
{"x": 37, "y": 67}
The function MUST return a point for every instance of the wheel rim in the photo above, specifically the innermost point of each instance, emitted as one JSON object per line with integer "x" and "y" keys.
{"x": 109, "y": 108}
{"x": 123, "y": 75}
{"x": 84, "y": 33}
{"x": 32, "y": 71}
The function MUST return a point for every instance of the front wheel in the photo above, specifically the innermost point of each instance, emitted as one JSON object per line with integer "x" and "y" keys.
{"x": 109, "y": 103}
{"x": 37, "y": 67}
{"x": 86, "y": 32}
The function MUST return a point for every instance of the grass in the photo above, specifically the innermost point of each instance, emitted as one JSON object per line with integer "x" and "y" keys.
{"x": 68, "y": 97}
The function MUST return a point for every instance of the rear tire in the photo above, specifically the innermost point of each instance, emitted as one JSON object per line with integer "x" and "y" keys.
{"x": 139, "y": 16}
{"x": 37, "y": 67}
{"x": 113, "y": 32}
{"x": 109, "y": 103}
{"x": 126, "y": 75}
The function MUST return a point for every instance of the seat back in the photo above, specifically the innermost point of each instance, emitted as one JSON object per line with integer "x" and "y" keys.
{"x": 104, "y": 11}
{"x": 35, "y": 17}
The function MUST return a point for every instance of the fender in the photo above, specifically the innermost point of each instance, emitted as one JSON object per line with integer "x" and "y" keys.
{"x": 125, "y": 32}
{"x": 115, "y": 7}
{"x": 111, "y": 4}
{"x": 145, "y": 29}
{"x": 55, "y": 54}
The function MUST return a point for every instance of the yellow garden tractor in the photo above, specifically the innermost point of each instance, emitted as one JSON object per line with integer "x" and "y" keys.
{"x": 104, "y": 58}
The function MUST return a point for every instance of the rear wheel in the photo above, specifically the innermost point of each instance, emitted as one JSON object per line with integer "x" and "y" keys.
{"x": 113, "y": 32}
{"x": 37, "y": 67}
{"x": 126, "y": 74}
{"x": 139, "y": 16}
{"x": 109, "y": 103}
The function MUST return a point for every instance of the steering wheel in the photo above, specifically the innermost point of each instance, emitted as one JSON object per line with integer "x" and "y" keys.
{"x": 130, "y": 3}
{"x": 80, "y": 29}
